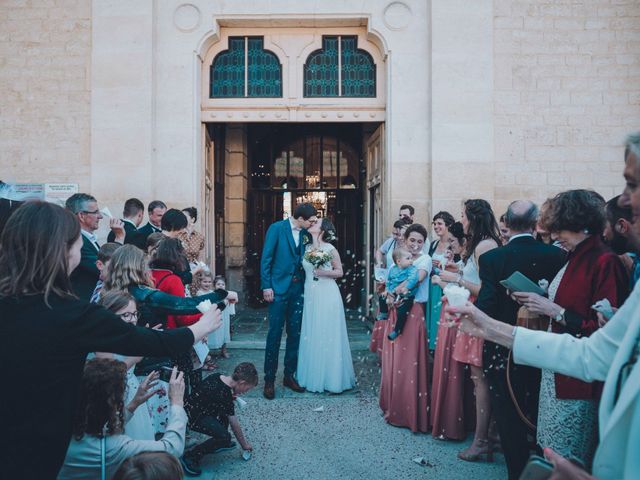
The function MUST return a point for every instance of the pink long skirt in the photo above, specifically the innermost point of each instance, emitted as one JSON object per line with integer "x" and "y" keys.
{"x": 468, "y": 349}
{"x": 403, "y": 389}
{"x": 377, "y": 335}
{"x": 447, "y": 387}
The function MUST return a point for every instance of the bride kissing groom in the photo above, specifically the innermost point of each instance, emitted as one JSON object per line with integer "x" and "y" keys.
{"x": 305, "y": 298}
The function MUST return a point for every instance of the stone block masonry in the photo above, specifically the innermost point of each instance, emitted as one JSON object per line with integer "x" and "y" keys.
{"x": 45, "y": 119}
{"x": 567, "y": 83}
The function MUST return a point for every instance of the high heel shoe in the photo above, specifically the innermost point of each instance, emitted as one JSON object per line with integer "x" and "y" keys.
{"x": 483, "y": 451}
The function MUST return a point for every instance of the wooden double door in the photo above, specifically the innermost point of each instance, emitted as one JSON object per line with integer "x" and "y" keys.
{"x": 294, "y": 164}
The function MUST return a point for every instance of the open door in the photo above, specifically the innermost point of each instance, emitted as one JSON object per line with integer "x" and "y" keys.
{"x": 213, "y": 218}
{"x": 374, "y": 154}
{"x": 208, "y": 221}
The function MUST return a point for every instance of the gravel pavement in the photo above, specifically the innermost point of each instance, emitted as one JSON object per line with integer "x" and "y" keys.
{"x": 348, "y": 439}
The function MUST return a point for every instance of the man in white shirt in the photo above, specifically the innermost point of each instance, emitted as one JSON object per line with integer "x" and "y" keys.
{"x": 85, "y": 208}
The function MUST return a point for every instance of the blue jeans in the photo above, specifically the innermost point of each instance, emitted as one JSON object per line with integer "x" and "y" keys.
{"x": 284, "y": 310}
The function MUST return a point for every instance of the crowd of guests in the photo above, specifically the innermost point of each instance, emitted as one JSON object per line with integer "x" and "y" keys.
{"x": 579, "y": 254}
{"x": 117, "y": 341}
{"x": 115, "y": 337}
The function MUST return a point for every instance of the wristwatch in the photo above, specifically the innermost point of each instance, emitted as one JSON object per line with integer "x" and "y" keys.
{"x": 560, "y": 316}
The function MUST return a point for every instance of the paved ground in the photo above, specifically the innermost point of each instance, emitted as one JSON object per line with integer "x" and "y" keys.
{"x": 347, "y": 439}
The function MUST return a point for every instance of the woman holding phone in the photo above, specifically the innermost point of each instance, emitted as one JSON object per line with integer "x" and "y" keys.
{"x": 46, "y": 334}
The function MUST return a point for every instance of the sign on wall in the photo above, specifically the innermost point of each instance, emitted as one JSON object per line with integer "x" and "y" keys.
{"x": 59, "y": 192}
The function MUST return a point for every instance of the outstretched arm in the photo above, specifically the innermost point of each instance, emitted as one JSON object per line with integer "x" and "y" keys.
{"x": 238, "y": 433}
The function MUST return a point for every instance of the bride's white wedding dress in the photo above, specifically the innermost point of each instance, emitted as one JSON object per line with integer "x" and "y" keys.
{"x": 324, "y": 359}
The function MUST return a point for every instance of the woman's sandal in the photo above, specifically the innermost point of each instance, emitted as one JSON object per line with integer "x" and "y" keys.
{"x": 484, "y": 452}
{"x": 209, "y": 364}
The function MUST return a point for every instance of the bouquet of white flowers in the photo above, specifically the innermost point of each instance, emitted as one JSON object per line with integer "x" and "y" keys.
{"x": 317, "y": 258}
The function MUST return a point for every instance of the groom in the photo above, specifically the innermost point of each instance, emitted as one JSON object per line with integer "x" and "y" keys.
{"x": 282, "y": 281}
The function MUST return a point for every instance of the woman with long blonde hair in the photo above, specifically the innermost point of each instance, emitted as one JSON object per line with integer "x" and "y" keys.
{"x": 128, "y": 270}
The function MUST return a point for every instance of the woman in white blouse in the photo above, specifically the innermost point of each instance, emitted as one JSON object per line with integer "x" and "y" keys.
{"x": 610, "y": 355}
{"x": 98, "y": 441}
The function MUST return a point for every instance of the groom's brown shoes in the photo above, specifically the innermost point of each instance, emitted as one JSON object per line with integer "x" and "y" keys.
{"x": 269, "y": 391}
{"x": 291, "y": 383}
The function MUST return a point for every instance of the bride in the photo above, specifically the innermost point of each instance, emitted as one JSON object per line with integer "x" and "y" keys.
{"x": 324, "y": 360}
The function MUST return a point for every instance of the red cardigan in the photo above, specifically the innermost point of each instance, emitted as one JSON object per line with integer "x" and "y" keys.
{"x": 168, "y": 282}
{"x": 593, "y": 273}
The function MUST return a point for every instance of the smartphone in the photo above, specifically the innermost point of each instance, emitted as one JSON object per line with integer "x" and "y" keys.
{"x": 537, "y": 469}
{"x": 604, "y": 307}
{"x": 165, "y": 373}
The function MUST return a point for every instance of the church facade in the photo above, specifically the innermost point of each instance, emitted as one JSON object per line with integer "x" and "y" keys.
{"x": 245, "y": 108}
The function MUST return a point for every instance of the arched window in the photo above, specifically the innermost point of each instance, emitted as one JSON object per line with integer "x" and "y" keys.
{"x": 339, "y": 69}
{"x": 246, "y": 69}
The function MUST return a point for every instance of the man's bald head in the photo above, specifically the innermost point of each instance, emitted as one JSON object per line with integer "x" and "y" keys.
{"x": 521, "y": 216}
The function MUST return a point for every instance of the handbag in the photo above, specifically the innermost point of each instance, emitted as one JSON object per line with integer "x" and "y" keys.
{"x": 531, "y": 321}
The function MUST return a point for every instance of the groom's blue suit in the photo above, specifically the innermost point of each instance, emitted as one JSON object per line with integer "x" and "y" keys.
{"x": 281, "y": 270}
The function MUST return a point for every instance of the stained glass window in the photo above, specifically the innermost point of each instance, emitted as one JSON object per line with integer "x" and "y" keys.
{"x": 265, "y": 72}
{"x": 321, "y": 70}
{"x": 227, "y": 70}
{"x": 358, "y": 70}
{"x": 339, "y": 69}
{"x": 246, "y": 69}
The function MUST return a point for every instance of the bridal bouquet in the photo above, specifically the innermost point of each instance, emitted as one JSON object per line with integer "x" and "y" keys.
{"x": 318, "y": 258}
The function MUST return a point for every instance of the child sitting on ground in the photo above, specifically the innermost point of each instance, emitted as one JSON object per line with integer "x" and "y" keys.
{"x": 211, "y": 411}
{"x": 403, "y": 275}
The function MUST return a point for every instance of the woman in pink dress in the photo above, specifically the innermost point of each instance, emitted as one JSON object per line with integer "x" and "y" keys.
{"x": 447, "y": 386}
{"x": 483, "y": 234}
{"x": 403, "y": 388}
{"x": 384, "y": 260}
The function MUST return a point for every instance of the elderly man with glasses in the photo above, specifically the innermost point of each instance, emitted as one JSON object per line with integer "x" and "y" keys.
{"x": 85, "y": 208}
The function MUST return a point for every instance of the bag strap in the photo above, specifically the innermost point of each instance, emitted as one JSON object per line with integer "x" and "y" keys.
{"x": 103, "y": 462}
{"x": 163, "y": 279}
{"x": 521, "y": 414}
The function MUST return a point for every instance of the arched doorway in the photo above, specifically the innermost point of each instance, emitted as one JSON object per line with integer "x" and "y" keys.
{"x": 317, "y": 163}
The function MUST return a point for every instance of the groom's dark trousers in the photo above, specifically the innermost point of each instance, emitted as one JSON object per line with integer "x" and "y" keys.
{"x": 285, "y": 310}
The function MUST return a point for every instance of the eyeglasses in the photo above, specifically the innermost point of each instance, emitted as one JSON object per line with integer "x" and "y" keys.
{"x": 95, "y": 212}
{"x": 128, "y": 316}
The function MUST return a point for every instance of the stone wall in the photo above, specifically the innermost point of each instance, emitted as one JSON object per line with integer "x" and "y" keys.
{"x": 235, "y": 222}
{"x": 45, "y": 70}
{"x": 567, "y": 91}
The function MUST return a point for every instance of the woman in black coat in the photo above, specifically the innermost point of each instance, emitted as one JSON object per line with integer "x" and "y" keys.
{"x": 46, "y": 333}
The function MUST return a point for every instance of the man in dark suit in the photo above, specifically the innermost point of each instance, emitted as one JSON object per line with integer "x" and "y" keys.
{"x": 86, "y": 274}
{"x": 282, "y": 281}
{"x": 155, "y": 210}
{"x": 536, "y": 261}
{"x": 132, "y": 216}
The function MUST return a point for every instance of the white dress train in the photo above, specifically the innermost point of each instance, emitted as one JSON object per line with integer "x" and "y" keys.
{"x": 324, "y": 359}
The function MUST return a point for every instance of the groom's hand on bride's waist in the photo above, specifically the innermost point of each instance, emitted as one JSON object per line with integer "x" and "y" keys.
{"x": 267, "y": 293}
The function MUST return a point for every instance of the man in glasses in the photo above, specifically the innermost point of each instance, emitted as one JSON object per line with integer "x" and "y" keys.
{"x": 86, "y": 275}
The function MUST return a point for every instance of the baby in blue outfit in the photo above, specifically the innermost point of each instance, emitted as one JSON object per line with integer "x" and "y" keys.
{"x": 403, "y": 271}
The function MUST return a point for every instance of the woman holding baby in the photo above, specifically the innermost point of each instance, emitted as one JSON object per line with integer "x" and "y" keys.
{"x": 403, "y": 389}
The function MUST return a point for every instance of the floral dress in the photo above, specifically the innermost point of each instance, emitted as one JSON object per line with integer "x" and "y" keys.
{"x": 567, "y": 426}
